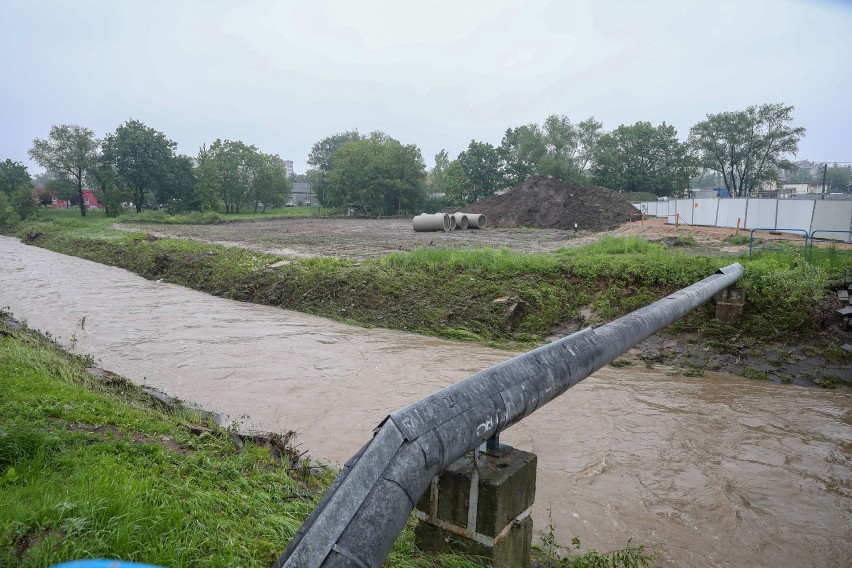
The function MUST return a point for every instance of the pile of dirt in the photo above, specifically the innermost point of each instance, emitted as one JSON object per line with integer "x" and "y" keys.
{"x": 548, "y": 203}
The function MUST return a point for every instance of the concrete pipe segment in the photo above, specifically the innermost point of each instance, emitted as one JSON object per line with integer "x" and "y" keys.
{"x": 475, "y": 220}
{"x": 461, "y": 221}
{"x": 432, "y": 222}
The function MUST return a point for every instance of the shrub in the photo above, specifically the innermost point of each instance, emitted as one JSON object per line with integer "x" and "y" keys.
{"x": 8, "y": 217}
{"x": 24, "y": 203}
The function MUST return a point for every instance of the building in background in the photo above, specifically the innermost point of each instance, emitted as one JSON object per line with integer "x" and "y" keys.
{"x": 303, "y": 195}
{"x": 88, "y": 198}
{"x": 289, "y": 165}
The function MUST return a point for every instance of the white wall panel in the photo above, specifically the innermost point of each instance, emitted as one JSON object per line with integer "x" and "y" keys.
{"x": 795, "y": 214}
{"x": 729, "y": 211}
{"x": 761, "y": 213}
{"x": 704, "y": 211}
{"x": 832, "y": 215}
{"x": 671, "y": 209}
{"x": 683, "y": 207}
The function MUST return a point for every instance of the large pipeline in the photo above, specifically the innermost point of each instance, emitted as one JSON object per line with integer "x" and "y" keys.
{"x": 359, "y": 517}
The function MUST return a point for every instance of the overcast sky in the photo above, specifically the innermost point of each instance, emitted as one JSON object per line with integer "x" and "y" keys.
{"x": 282, "y": 75}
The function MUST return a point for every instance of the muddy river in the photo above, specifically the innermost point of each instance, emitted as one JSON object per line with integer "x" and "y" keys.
{"x": 719, "y": 470}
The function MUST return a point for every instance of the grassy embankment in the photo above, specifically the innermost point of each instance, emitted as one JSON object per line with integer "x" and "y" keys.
{"x": 91, "y": 468}
{"x": 452, "y": 293}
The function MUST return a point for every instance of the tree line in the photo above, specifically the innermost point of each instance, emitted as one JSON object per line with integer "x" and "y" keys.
{"x": 742, "y": 150}
{"x": 139, "y": 165}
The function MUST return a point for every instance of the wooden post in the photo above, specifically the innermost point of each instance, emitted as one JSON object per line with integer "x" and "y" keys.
{"x": 738, "y": 227}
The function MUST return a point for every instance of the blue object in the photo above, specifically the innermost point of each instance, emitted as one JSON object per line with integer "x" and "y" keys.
{"x": 103, "y": 564}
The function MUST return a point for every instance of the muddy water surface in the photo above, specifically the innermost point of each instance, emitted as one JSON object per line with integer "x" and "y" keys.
{"x": 720, "y": 470}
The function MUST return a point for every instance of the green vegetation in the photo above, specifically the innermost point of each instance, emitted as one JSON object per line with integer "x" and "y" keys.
{"x": 213, "y": 218}
{"x": 496, "y": 296}
{"x": 378, "y": 172}
{"x": 89, "y": 467}
{"x": 686, "y": 240}
{"x": 755, "y": 374}
{"x": 622, "y": 160}
{"x": 551, "y": 554}
{"x": 738, "y": 239}
{"x": 747, "y": 147}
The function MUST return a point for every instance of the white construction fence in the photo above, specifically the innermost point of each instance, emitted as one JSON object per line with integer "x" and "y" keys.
{"x": 752, "y": 213}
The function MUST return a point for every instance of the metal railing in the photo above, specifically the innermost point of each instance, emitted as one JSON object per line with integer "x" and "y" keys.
{"x": 359, "y": 517}
{"x": 776, "y": 238}
{"x": 832, "y": 242}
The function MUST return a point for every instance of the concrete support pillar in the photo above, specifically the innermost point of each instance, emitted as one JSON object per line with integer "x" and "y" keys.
{"x": 729, "y": 304}
{"x": 481, "y": 505}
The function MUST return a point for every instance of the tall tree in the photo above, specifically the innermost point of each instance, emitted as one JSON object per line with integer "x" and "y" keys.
{"x": 141, "y": 156}
{"x": 272, "y": 186}
{"x": 557, "y": 148}
{"x": 435, "y": 179}
{"x": 569, "y": 147}
{"x": 177, "y": 188}
{"x": 102, "y": 176}
{"x": 208, "y": 181}
{"x": 802, "y": 175}
{"x": 456, "y": 184}
{"x": 560, "y": 139}
{"x": 747, "y": 147}
{"x": 13, "y": 176}
{"x": 321, "y": 158}
{"x": 322, "y": 152}
{"x": 643, "y": 158}
{"x": 379, "y": 172}
{"x": 589, "y": 132}
{"x": 521, "y": 152}
{"x": 235, "y": 166}
{"x": 838, "y": 179}
{"x": 481, "y": 165}
{"x": 68, "y": 152}
{"x": 705, "y": 179}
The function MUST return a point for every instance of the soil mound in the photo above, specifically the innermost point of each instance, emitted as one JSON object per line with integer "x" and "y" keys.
{"x": 548, "y": 203}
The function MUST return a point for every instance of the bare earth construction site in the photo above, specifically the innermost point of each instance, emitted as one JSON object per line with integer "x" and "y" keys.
{"x": 367, "y": 238}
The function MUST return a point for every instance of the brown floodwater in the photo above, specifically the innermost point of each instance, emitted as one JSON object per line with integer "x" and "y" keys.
{"x": 719, "y": 470}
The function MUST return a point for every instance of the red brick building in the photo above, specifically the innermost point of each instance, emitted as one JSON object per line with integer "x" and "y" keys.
{"x": 88, "y": 198}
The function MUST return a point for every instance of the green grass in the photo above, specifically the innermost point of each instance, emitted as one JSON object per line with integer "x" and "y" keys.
{"x": 496, "y": 296}
{"x": 737, "y": 239}
{"x": 91, "y": 469}
{"x": 686, "y": 240}
{"x": 213, "y": 218}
